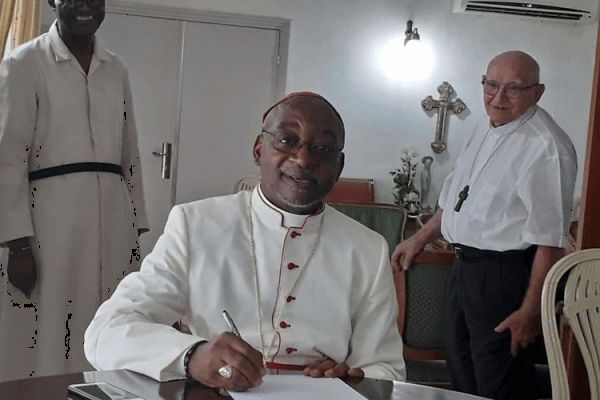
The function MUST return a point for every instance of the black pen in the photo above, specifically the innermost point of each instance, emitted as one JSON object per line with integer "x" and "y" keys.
{"x": 232, "y": 326}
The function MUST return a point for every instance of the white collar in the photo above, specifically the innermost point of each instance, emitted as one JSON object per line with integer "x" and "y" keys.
{"x": 275, "y": 215}
{"x": 62, "y": 52}
{"x": 513, "y": 125}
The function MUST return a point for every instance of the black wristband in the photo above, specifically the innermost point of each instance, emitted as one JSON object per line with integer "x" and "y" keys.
{"x": 188, "y": 357}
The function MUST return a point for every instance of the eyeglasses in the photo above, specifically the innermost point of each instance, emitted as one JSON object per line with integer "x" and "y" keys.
{"x": 511, "y": 89}
{"x": 291, "y": 144}
{"x": 77, "y": 3}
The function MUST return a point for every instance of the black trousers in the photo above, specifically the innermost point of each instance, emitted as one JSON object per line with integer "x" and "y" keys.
{"x": 483, "y": 289}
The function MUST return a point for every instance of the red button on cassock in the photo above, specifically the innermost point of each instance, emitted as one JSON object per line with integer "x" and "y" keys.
{"x": 289, "y": 299}
{"x": 284, "y": 325}
{"x": 291, "y": 266}
{"x": 294, "y": 234}
{"x": 290, "y": 350}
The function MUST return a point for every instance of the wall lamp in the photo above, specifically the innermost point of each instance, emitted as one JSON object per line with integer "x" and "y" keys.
{"x": 407, "y": 58}
{"x": 410, "y": 33}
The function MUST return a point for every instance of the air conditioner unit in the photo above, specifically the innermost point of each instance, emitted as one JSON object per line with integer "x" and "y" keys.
{"x": 557, "y": 10}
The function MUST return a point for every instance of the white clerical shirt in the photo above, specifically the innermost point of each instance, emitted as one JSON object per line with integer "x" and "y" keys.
{"x": 521, "y": 177}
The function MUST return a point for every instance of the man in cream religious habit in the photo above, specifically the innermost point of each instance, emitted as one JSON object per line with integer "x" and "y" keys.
{"x": 506, "y": 208}
{"x": 71, "y": 197}
{"x": 309, "y": 289}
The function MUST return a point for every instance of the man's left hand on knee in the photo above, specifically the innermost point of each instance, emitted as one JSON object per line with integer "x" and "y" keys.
{"x": 524, "y": 327}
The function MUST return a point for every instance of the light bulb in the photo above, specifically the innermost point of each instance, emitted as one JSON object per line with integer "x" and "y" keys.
{"x": 409, "y": 63}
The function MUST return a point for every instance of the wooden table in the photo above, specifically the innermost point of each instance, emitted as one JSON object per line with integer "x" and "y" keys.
{"x": 55, "y": 388}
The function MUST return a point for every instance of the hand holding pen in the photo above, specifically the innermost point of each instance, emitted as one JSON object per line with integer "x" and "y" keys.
{"x": 227, "y": 361}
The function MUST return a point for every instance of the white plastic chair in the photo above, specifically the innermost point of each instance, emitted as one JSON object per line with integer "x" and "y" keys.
{"x": 247, "y": 183}
{"x": 582, "y": 310}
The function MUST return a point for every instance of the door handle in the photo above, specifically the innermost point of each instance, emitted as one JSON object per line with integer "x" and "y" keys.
{"x": 165, "y": 164}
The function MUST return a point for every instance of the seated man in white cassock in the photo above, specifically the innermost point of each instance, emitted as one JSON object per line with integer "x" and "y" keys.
{"x": 309, "y": 289}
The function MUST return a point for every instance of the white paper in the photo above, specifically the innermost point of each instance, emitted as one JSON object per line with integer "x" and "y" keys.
{"x": 299, "y": 387}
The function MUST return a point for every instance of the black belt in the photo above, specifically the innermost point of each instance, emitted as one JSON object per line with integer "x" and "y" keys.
{"x": 468, "y": 253}
{"x": 73, "y": 168}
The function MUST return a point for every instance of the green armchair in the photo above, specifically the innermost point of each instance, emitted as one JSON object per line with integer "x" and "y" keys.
{"x": 421, "y": 291}
{"x": 385, "y": 219}
{"x": 420, "y": 294}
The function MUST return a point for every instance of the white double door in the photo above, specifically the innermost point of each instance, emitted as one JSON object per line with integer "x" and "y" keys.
{"x": 201, "y": 87}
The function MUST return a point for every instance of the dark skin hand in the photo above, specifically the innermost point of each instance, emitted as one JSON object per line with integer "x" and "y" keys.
{"x": 227, "y": 349}
{"x": 328, "y": 368}
{"x": 21, "y": 269}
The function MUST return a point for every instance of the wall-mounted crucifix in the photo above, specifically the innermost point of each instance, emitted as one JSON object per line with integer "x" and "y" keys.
{"x": 443, "y": 105}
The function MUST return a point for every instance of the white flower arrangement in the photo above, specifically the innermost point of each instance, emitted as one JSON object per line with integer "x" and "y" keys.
{"x": 405, "y": 193}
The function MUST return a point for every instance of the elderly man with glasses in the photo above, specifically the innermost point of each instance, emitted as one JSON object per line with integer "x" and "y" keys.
{"x": 310, "y": 290}
{"x": 506, "y": 209}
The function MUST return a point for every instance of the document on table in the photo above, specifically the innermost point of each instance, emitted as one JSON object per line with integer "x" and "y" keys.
{"x": 299, "y": 387}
